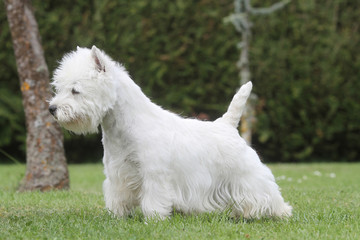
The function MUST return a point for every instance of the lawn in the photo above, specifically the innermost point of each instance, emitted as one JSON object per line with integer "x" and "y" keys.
{"x": 325, "y": 197}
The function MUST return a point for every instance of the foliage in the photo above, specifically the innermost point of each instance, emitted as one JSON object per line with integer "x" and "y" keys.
{"x": 303, "y": 61}
{"x": 10, "y": 109}
{"x": 307, "y": 76}
{"x": 325, "y": 207}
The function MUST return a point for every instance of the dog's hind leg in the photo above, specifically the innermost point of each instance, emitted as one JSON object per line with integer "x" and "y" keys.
{"x": 257, "y": 196}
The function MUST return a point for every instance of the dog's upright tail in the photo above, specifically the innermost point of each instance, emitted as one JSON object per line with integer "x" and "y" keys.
{"x": 237, "y": 106}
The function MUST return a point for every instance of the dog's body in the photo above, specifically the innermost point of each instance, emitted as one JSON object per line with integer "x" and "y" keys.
{"x": 154, "y": 158}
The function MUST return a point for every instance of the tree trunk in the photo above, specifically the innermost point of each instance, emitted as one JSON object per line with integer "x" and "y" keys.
{"x": 248, "y": 117}
{"x": 46, "y": 167}
{"x": 243, "y": 25}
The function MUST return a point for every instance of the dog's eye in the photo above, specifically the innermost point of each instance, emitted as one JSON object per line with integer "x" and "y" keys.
{"x": 74, "y": 91}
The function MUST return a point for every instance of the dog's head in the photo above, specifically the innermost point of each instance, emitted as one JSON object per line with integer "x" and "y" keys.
{"x": 84, "y": 90}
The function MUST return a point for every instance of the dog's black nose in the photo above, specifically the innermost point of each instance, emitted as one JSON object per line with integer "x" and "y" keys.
{"x": 52, "y": 109}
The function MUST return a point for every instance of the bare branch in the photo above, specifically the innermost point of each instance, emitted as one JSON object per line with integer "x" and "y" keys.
{"x": 239, "y": 20}
{"x": 268, "y": 10}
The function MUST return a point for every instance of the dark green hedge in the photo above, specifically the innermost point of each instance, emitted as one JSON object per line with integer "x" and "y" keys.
{"x": 304, "y": 61}
{"x": 306, "y": 66}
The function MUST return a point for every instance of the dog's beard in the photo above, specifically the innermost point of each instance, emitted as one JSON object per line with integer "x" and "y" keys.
{"x": 77, "y": 123}
{"x": 80, "y": 126}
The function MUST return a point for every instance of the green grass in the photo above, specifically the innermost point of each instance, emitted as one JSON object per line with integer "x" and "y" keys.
{"x": 326, "y": 206}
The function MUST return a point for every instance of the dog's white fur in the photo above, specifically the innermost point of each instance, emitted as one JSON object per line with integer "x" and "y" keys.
{"x": 154, "y": 158}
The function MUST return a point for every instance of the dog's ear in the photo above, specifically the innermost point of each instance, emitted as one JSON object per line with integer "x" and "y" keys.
{"x": 97, "y": 57}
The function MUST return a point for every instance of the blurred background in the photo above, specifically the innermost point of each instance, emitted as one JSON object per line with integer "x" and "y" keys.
{"x": 304, "y": 63}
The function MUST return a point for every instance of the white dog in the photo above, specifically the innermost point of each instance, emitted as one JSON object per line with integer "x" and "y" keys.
{"x": 154, "y": 158}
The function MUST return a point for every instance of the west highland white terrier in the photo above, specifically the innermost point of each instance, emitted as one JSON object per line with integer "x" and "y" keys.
{"x": 156, "y": 159}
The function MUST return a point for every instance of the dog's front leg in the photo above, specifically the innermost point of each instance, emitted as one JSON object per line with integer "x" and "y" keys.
{"x": 155, "y": 197}
{"x": 118, "y": 199}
